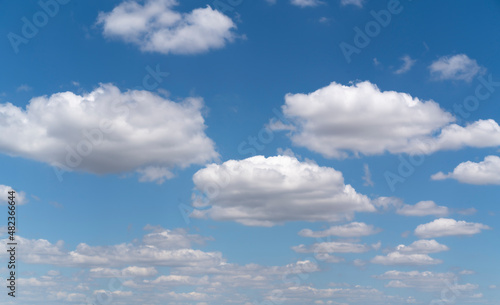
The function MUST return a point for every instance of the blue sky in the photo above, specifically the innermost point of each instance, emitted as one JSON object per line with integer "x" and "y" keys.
{"x": 252, "y": 152}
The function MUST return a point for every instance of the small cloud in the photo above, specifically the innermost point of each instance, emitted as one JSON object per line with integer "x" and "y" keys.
{"x": 24, "y": 88}
{"x": 358, "y": 3}
{"x": 470, "y": 211}
{"x": 368, "y": 176}
{"x": 408, "y": 63}
{"x": 324, "y": 20}
{"x": 376, "y": 62}
{"x": 56, "y": 204}
{"x": 306, "y": 3}
{"x": 76, "y": 84}
{"x": 457, "y": 67}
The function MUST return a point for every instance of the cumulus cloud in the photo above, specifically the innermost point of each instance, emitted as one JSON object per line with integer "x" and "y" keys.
{"x": 423, "y": 208}
{"x": 169, "y": 249}
{"x": 19, "y": 196}
{"x": 306, "y": 3}
{"x": 155, "y": 26}
{"x": 360, "y": 119}
{"x": 484, "y": 172}
{"x": 422, "y": 246}
{"x": 354, "y": 229}
{"x": 260, "y": 191}
{"x": 334, "y": 247}
{"x": 108, "y": 131}
{"x": 448, "y": 227}
{"x": 398, "y": 258}
{"x": 132, "y": 271}
{"x": 457, "y": 67}
{"x": 423, "y": 281}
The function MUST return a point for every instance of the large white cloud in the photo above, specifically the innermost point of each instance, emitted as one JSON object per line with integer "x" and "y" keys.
{"x": 449, "y": 227}
{"x": 108, "y": 131}
{"x": 456, "y": 67}
{"x": 337, "y": 120}
{"x": 156, "y": 26}
{"x": 484, "y": 172}
{"x": 261, "y": 191}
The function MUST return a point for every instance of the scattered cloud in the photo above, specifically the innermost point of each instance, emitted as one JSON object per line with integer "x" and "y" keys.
{"x": 398, "y": 258}
{"x": 408, "y": 63}
{"x": 360, "y": 119}
{"x": 481, "y": 173}
{"x": 156, "y": 27}
{"x": 112, "y": 135}
{"x": 422, "y": 246}
{"x": 354, "y": 229}
{"x": 358, "y": 3}
{"x": 368, "y": 176}
{"x": 20, "y": 196}
{"x": 261, "y": 191}
{"x": 334, "y": 247}
{"x": 456, "y": 67}
{"x": 448, "y": 227}
{"x": 24, "y": 88}
{"x": 423, "y": 208}
{"x": 306, "y": 3}
{"x": 423, "y": 281}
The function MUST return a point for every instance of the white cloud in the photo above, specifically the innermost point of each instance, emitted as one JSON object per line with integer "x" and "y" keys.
{"x": 108, "y": 131}
{"x": 368, "y": 176}
{"x": 408, "y": 63}
{"x": 448, "y": 227}
{"x": 19, "y": 196}
{"x": 457, "y": 67}
{"x": 424, "y": 281}
{"x": 354, "y": 229}
{"x": 333, "y": 247}
{"x": 155, "y": 249}
{"x": 306, "y": 3}
{"x": 155, "y": 26}
{"x": 132, "y": 271}
{"x": 423, "y": 208}
{"x": 337, "y": 120}
{"x": 24, "y": 88}
{"x": 484, "y": 172}
{"x": 422, "y": 246}
{"x": 398, "y": 258}
{"x": 358, "y": 3}
{"x": 261, "y": 191}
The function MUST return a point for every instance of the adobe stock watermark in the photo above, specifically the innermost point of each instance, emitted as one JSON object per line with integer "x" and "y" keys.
{"x": 449, "y": 294}
{"x": 363, "y": 36}
{"x": 407, "y": 165}
{"x": 75, "y": 154}
{"x": 31, "y": 27}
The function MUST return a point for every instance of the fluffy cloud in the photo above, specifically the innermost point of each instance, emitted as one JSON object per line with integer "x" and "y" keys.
{"x": 169, "y": 249}
{"x": 448, "y": 227}
{"x": 423, "y": 208}
{"x": 306, "y": 3}
{"x": 155, "y": 26}
{"x": 398, "y": 258}
{"x": 422, "y": 246}
{"x": 261, "y": 191}
{"x": 337, "y": 120}
{"x": 108, "y": 131}
{"x": 424, "y": 281}
{"x": 334, "y": 247}
{"x": 354, "y": 229}
{"x": 132, "y": 271}
{"x": 20, "y": 196}
{"x": 484, "y": 172}
{"x": 457, "y": 67}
